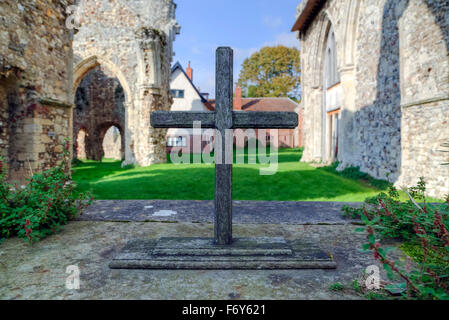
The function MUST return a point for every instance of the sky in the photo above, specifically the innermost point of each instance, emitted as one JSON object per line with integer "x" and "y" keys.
{"x": 244, "y": 25}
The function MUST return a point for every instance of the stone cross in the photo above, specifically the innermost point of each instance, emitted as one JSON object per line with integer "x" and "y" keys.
{"x": 223, "y": 119}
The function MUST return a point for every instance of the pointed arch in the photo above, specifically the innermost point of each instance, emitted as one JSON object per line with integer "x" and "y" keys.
{"x": 351, "y": 34}
{"x": 82, "y": 68}
{"x": 325, "y": 26}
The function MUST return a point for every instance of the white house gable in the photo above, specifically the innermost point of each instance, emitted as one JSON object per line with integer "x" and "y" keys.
{"x": 185, "y": 96}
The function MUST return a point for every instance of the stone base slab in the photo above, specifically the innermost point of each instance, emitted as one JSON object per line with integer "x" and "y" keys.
{"x": 202, "y": 253}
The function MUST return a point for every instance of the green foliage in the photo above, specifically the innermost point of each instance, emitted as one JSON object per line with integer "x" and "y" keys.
{"x": 356, "y": 174}
{"x": 424, "y": 228}
{"x": 418, "y": 254}
{"x": 252, "y": 92}
{"x": 355, "y": 285}
{"x": 373, "y": 295}
{"x": 272, "y": 72}
{"x": 337, "y": 286}
{"x": 40, "y": 207}
{"x": 396, "y": 219}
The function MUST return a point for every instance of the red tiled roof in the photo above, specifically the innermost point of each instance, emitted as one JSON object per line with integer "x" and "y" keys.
{"x": 268, "y": 104}
{"x": 209, "y": 106}
{"x": 211, "y": 103}
{"x": 265, "y": 104}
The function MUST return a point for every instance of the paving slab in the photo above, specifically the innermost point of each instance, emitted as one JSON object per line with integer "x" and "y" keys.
{"x": 244, "y": 212}
{"x": 39, "y": 271}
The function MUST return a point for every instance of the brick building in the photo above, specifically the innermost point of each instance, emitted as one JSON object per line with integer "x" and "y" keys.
{"x": 187, "y": 97}
{"x": 282, "y": 138}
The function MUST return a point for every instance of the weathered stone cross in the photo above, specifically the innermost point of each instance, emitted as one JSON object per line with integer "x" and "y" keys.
{"x": 223, "y": 119}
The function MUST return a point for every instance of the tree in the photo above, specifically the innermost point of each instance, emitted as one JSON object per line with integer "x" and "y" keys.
{"x": 272, "y": 72}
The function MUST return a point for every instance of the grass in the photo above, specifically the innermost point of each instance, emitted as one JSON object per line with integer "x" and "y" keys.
{"x": 294, "y": 181}
{"x": 337, "y": 286}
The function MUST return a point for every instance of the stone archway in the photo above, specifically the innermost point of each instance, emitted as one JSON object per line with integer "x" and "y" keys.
{"x": 134, "y": 42}
{"x": 100, "y": 102}
{"x": 90, "y": 63}
{"x": 96, "y": 142}
{"x": 332, "y": 98}
{"x": 318, "y": 142}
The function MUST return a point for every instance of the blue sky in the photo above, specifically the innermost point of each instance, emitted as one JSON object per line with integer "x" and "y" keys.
{"x": 244, "y": 25}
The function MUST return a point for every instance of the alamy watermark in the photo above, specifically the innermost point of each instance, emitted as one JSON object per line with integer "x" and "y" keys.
{"x": 207, "y": 147}
{"x": 372, "y": 282}
{"x": 73, "y": 280}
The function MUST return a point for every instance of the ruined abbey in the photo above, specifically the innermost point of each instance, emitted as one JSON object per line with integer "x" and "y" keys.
{"x": 50, "y": 53}
{"x": 375, "y": 80}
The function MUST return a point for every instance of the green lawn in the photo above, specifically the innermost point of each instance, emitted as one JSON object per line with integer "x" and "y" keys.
{"x": 294, "y": 181}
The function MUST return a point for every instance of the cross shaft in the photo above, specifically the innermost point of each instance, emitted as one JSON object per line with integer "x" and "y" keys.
{"x": 223, "y": 119}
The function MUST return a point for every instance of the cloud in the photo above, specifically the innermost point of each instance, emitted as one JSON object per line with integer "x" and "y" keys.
{"x": 272, "y": 22}
{"x": 241, "y": 54}
{"x": 285, "y": 39}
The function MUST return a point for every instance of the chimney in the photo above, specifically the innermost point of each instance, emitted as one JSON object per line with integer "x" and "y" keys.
{"x": 238, "y": 98}
{"x": 189, "y": 72}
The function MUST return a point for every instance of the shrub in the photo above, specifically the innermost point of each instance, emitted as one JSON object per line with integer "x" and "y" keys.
{"x": 423, "y": 226}
{"x": 356, "y": 174}
{"x": 43, "y": 205}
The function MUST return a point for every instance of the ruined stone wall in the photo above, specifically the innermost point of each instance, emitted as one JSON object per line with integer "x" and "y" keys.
{"x": 132, "y": 39}
{"x": 99, "y": 104}
{"x": 393, "y": 60}
{"x": 35, "y": 84}
{"x": 424, "y": 52}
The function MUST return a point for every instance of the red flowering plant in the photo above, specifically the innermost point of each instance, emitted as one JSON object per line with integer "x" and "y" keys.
{"x": 422, "y": 229}
{"x": 46, "y": 202}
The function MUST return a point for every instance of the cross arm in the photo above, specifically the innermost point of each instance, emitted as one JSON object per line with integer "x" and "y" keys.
{"x": 264, "y": 120}
{"x": 181, "y": 119}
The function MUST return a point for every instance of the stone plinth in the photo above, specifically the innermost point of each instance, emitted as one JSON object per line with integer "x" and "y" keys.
{"x": 202, "y": 253}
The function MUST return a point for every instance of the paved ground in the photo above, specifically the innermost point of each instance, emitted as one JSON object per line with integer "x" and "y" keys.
{"x": 258, "y": 212}
{"x": 39, "y": 271}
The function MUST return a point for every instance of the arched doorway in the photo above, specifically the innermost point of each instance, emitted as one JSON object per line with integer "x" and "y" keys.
{"x": 112, "y": 144}
{"x": 100, "y": 101}
{"x": 80, "y": 145}
{"x": 332, "y": 100}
